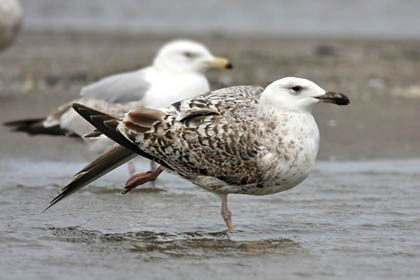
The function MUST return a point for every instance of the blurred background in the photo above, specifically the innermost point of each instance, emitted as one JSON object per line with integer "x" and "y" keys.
{"x": 368, "y": 50}
{"x": 377, "y": 18}
{"x": 356, "y": 216}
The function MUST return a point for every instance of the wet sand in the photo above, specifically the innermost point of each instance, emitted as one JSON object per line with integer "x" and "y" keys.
{"x": 357, "y": 215}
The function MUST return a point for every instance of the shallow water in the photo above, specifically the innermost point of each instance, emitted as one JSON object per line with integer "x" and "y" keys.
{"x": 347, "y": 220}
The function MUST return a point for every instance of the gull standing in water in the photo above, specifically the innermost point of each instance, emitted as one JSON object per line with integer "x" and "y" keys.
{"x": 237, "y": 140}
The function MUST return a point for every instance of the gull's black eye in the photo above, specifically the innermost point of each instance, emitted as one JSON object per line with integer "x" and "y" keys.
{"x": 189, "y": 54}
{"x": 296, "y": 89}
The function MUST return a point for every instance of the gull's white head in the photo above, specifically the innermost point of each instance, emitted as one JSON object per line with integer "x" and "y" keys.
{"x": 296, "y": 94}
{"x": 187, "y": 56}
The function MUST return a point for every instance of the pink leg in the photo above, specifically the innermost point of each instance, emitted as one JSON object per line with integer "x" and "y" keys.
{"x": 141, "y": 178}
{"x": 131, "y": 168}
{"x": 226, "y": 214}
{"x": 153, "y": 166}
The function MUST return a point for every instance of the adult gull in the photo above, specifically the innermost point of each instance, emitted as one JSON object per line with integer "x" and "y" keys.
{"x": 177, "y": 72}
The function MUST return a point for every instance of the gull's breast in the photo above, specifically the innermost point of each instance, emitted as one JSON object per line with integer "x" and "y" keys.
{"x": 292, "y": 150}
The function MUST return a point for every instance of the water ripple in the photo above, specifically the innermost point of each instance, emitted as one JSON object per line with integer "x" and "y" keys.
{"x": 183, "y": 244}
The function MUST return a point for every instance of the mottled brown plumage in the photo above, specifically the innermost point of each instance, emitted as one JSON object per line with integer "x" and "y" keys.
{"x": 186, "y": 136}
{"x": 244, "y": 139}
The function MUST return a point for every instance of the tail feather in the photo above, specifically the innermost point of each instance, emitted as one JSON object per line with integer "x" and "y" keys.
{"x": 98, "y": 119}
{"x": 24, "y": 122}
{"x": 93, "y": 134}
{"x": 108, "y": 161}
{"x": 108, "y": 126}
{"x": 35, "y": 127}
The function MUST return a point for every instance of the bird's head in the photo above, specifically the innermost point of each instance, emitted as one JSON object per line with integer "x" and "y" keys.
{"x": 188, "y": 56}
{"x": 297, "y": 94}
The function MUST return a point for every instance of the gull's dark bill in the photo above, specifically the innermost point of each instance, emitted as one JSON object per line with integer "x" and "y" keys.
{"x": 334, "y": 97}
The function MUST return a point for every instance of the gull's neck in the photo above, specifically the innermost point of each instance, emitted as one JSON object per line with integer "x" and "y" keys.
{"x": 166, "y": 67}
{"x": 271, "y": 108}
{"x": 169, "y": 87}
{"x": 171, "y": 73}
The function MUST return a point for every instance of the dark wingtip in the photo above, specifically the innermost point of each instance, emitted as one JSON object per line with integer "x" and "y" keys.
{"x": 93, "y": 134}
{"x": 24, "y": 122}
{"x": 55, "y": 200}
{"x": 36, "y": 127}
{"x": 76, "y": 106}
{"x": 52, "y": 202}
{"x": 229, "y": 66}
{"x": 79, "y": 107}
{"x": 46, "y": 208}
{"x": 9, "y": 123}
{"x": 89, "y": 113}
{"x": 82, "y": 109}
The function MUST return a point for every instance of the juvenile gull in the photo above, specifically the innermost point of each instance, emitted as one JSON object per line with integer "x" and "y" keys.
{"x": 237, "y": 140}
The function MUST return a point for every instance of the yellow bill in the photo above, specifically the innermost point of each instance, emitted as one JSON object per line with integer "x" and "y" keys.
{"x": 219, "y": 62}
